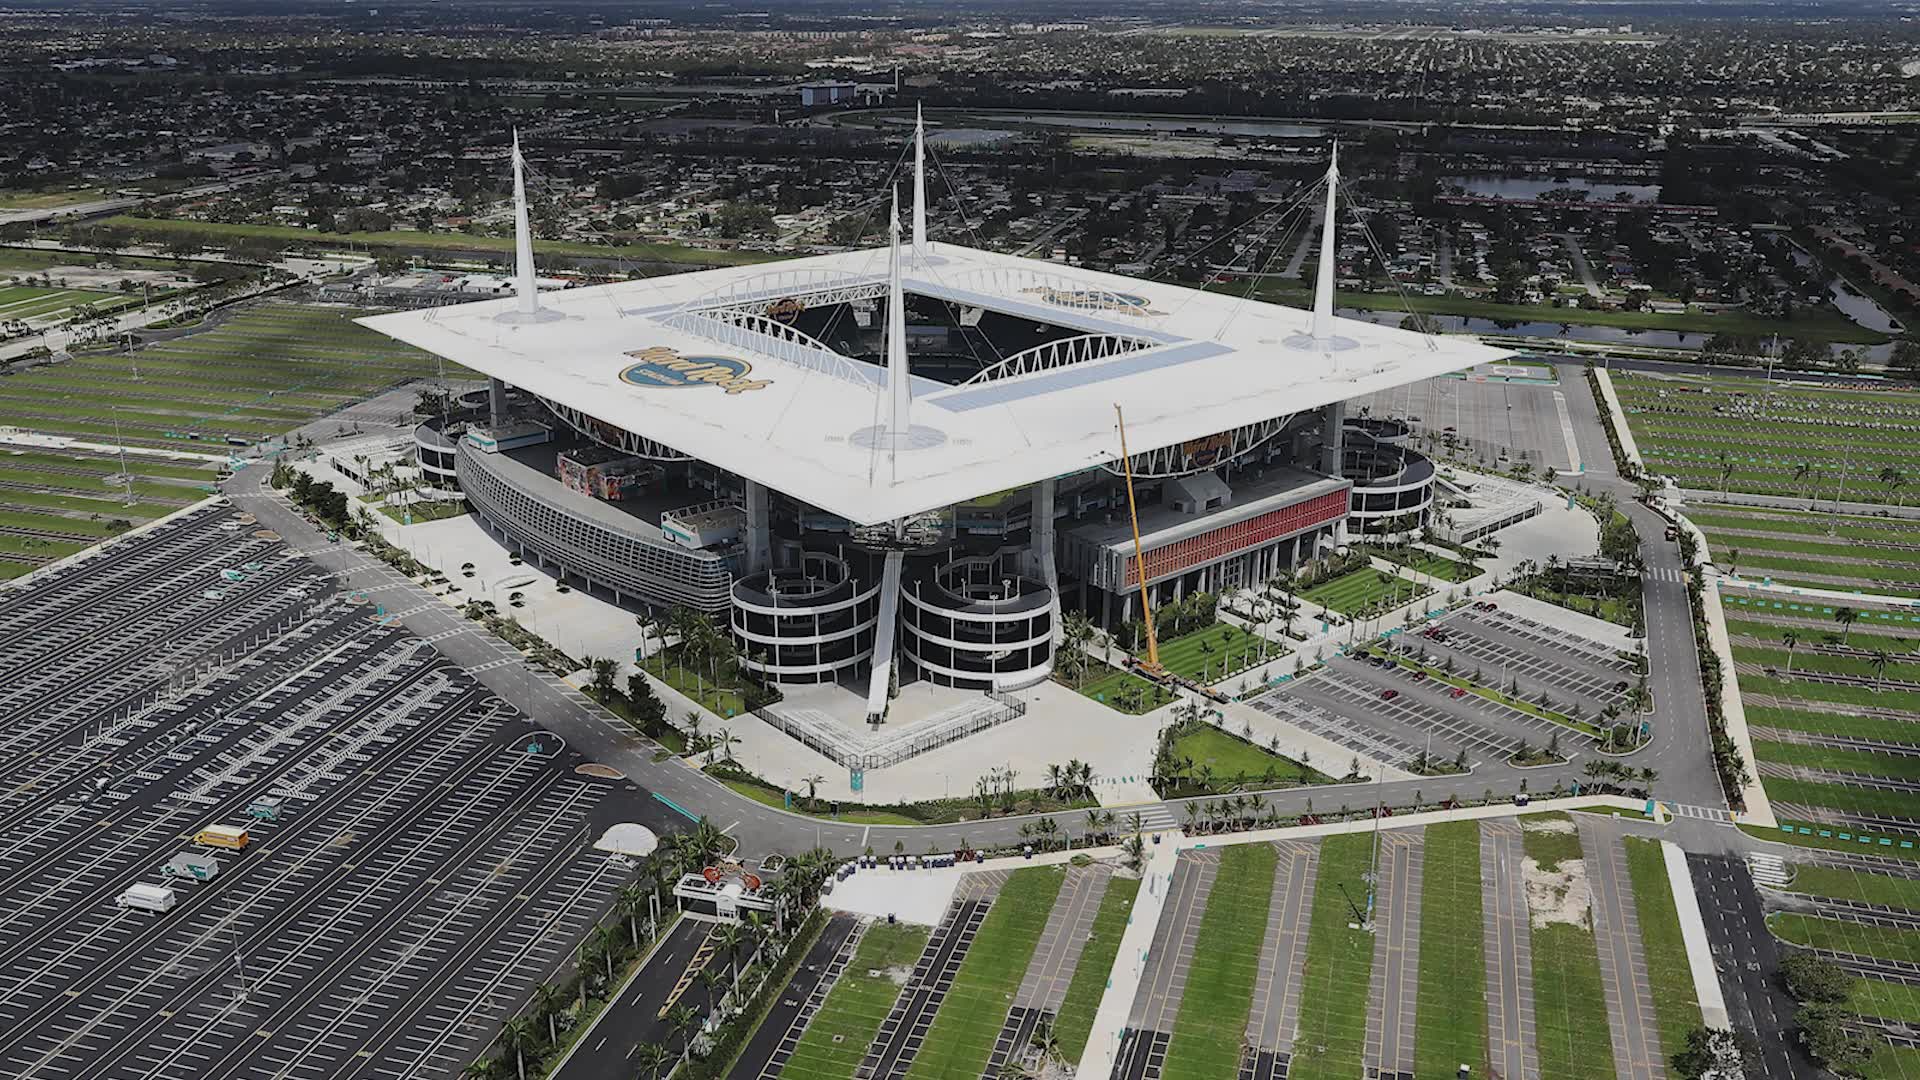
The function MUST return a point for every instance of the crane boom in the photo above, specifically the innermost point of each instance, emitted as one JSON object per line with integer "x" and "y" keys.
{"x": 1139, "y": 561}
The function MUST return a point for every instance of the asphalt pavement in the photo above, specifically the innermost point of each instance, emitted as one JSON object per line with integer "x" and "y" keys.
{"x": 1748, "y": 960}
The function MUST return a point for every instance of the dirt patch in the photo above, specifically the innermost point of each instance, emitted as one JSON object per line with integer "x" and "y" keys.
{"x": 1560, "y": 895}
{"x": 1546, "y": 824}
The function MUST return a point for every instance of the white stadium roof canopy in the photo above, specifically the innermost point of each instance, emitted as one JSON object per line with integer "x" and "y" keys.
{"x": 693, "y": 361}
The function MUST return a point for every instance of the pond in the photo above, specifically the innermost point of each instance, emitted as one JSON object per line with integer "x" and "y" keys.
{"x": 1195, "y": 124}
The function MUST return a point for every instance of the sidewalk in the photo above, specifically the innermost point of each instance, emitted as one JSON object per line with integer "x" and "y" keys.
{"x": 1759, "y": 811}
{"x": 1130, "y": 964}
{"x": 1706, "y": 978}
{"x": 1628, "y": 448}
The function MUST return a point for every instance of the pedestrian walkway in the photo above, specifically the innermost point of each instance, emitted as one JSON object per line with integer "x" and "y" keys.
{"x": 1396, "y": 955}
{"x": 1129, "y": 966}
{"x": 1275, "y": 1017}
{"x": 1510, "y": 1030}
{"x": 1623, "y": 965}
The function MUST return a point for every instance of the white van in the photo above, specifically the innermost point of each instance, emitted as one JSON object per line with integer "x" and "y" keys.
{"x": 143, "y": 897}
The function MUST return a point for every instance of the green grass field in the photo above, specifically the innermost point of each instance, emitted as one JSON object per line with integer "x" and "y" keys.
{"x": 1815, "y": 932}
{"x": 64, "y": 502}
{"x": 220, "y": 234}
{"x": 839, "y": 1034}
{"x": 1569, "y": 1011}
{"x": 963, "y": 1032}
{"x": 1834, "y": 723}
{"x": 1844, "y": 884}
{"x": 1339, "y": 970}
{"x": 1839, "y": 838}
{"x": 1861, "y": 762}
{"x": 1451, "y": 1020}
{"x": 1670, "y": 980}
{"x": 1361, "y": 590}
{"x": 1893, "y": 1063}
{"x": 1797, "y": 441}
{"x": 1094, "y": 971}
{"x": 1853, "y": 800}
{"x": 1215, "y": 652}
{"x": 1212, "y": 1023}
{"x": 1234, "y": 760}
{"x": 1887, "y": 1000}
{"x": 265, "y": 370}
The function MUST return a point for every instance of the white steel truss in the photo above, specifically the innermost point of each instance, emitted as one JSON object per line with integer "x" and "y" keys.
{"x": 613, "y": 437}
{"x": 766, "y": 334}
{"x": 1198, "y": 455}
{"x": 1062, "y": 352}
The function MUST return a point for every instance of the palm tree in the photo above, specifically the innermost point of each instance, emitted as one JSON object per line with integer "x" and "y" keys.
{"x": 652, "y": 1057}
{"x": 548, "y": 1002}
{"x": 629, "y": 902}
{"x": 517, "y": 1036}
{"x": 1726, "y": 472}
{"x": 813, "y": 785}
{"x": 1733, "y": 561}
{"x": 1879, "y": 663}
{"x": 730, "y": 938}
{"x": 1789, "y": 638}
{"x": 682, "y": 1020}
{"x": 1894, "y": 479}
{"x": 1845, "y": 616}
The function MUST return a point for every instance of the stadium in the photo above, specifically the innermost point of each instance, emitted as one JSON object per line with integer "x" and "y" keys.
{"x": 904, "y": 464}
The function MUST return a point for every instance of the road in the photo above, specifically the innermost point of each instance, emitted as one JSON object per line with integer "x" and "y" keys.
{"x": 673, "y": 976}
{"x": 1748, "y": 960}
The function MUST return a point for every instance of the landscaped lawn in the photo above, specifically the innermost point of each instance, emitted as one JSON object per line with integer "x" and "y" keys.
{"x": 1211, "y": 654}
{"x": 1842, "y": 838}
{"x": 1094, "y": 971}
{"x": 1428, "y": 563}
{"x": 1126, "y": 692}
{"x": 963, "y": 1032}
{"x": 1361, "y": 590}
{"x": 1862, "y": 762}
{"x": 1893, "y": 1063}
{"x": 1451, "y": 1020}
{"x": 1675, "y": 1004}
{"x": 1815, "y": 932}
{"x": 1569, "y": 1007}
{"x": 1339, "y": 969}
{"x": 1883, "y": 728}
{"x": 840, "y": 1033}
{"x": 1235, "y": 760}
{"x": 1212, "y": 1023}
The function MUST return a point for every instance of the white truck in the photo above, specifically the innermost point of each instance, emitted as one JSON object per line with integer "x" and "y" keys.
{"x": 143, "y": 897}
{"x": 191, "y": 865}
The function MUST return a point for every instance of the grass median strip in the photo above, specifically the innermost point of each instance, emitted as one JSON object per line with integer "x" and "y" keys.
{"x": 839, "y": 1034}
{"x": 1095, "y": 967}
{"x": 1212, "y": 1024}
{"x": 1451, "y": 1021}
{"x": 1339, "y": 971}
{"x": 1675, "y": 1005}
{"x": 1569, "y": 1003}
{"x": 963, "y": 1033}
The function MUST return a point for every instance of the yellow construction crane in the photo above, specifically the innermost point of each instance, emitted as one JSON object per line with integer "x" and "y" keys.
{"x": 1152, "y": 663}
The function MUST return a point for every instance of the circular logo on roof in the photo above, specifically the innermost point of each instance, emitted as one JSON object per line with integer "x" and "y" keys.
{"x": 1096, "y": 300}
{"x": 662, "y": 368}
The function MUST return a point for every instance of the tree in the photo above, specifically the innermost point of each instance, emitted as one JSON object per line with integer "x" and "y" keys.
{"x": 1715, "y": 1052}
{"x": 1726, "y": 472}
{"x": 652, "y": 1058}
{"x": 518, "y": 1036}
{"x": 1827, "y": 1034}
{"x": 1790, "y": 639}
{"x": 813, "y": 783}
{"x": 1845, "y": 616}
{"x": 1879, "y": 662}
{"x": 1815, "y": 980}
{"x": 604, "y": 670}
{"x": 1894, "y": 479}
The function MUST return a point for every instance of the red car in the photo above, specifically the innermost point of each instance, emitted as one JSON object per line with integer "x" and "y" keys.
{"x": 1389, "y": 695}
{"x": 1458, "y": 692}
{"x": 1419, "y": 676}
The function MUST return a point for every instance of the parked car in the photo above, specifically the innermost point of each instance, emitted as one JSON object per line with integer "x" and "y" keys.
{"x": 1458, "y": 692}
{"x": 1389, "y": 695}
{"x": 1419, "y": 676}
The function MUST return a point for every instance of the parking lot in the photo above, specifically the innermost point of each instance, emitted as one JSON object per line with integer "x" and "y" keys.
{"x": 1374, "y": 705}
{"x": 422, "y": 860}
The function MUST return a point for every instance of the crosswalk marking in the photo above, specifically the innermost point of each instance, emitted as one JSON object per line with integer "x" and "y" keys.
{"x": 1710, "y": 813}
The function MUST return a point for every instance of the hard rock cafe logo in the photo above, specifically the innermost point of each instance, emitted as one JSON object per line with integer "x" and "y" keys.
{"x": 1095, "y": 299}
{"x": 664, "y": 368}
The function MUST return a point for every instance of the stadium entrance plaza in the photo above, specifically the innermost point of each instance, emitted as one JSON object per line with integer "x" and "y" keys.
{"x": 1060, "y": 724}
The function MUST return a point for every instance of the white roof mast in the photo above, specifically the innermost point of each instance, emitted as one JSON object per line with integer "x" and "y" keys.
{"x": 919, "y": 185}
{"x": 1323, "y": 288}
{"x": 526, "y": 291}
{"x": 899, "y": 383}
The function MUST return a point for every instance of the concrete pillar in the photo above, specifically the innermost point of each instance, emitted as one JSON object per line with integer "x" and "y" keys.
{"x": 1333, "y": 416}
{"x": 496, "y": 403}
{"x": 759, "y": 528}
